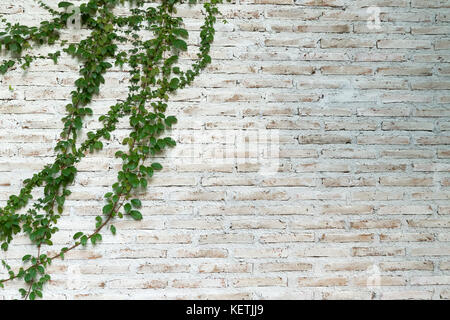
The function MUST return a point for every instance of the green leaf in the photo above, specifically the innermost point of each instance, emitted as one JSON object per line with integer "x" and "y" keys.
{"x": 108, "y": 208}
{"x": 136, "y": 215}
{"x": 84, "y": 240}
{"x": 98, "y": 145}
{"x": 64, "y": 4}
{"x": 41, "y": 269}
{"x": 71, "y": 49}
{"x": 181, "y": 32}
{"x": 170, "y": 120}
{"x": 77, "y": 235}
{"x": 113, "y": 230}
{"x": 136, "y": 203}
{"x": 156, "y": 166}
{"x": 180, "y": 44}
{"x": 174, "y": 83}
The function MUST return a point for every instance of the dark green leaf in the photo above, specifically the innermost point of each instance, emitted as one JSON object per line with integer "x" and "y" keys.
{"x": 136, "y": 203}
{"x": 136, "y": 215}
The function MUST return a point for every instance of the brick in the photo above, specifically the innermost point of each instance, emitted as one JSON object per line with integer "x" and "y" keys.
{"x": 137, "y": 284}
{"x": 363, "y": 28}
{"x": 289, "y": 41}
{"x": 383, "y": 281}
{"x": 259, "y": 282}
{"x": 317, "y": 224}
{"x": 345, "y": 43}
{"x": 284, "y": 267}
{"x": 328, "y": 28}
{"x": 408, "y": 154}
{"x": 430, "y": 30}
{"x": 384, "y": 112}
{"x": 346, "y": 70}
{"x": 407, "y": 237}
{"x": 164, "y": 238}
{"x": 321, "y": 282}
{"x": 200, "y": 283}
{"x": 404, "y": 44}
{"x": 430, "y": 280}
{"x": 320, "y": 3}
{"x": 225, "y": 238}
{"x": 406, "y": 265}
{"x": 350, "y": 209}
{"x": 287, "y": 69}
{"x": 225, "y": 268}
{"x": 260, "y": 253}
{"x": 163, "y": 268}
{"x": 427, "y": 251}
{"x": 407, "y": 125}
{"x": 379, "y": 57}
{"x": 433, "y": 140}
{"x": 293, "y": 125}
{"x": 430, "y": 4}
{"x": 347, "y": 266}
{"x": 406, "y": 182}
{"x": 318, "y": 252}
{"x": 347, "y": 237}
{"x": 258, "y": 224}
{"x": 381, "y": 84}
{"x": 431, "y": 167}
{"x": 375, "y": 224}
{"x": 374, "y": 252}
{"x": 380, "y": 167}
{"x": 430, "y": 85}
{"x": 262, "y": 195}
{"x": 351, "y": 126}
{"x": 407, "y": 295}
{"x": 284, "y": 238}
{"x": 382, "y": 140}
{"x": 348, "y": 182}
{"x": 405, "y": 210}
{"x": 293, "y": 13}
{"x": 200, "y": 253}
{"x": 348, "y": 295}
{"x": 406, "y": 17}
{"x": 405, "y": 71}
{"x": 324, "y": 139}
{"x": 444, "y": 209}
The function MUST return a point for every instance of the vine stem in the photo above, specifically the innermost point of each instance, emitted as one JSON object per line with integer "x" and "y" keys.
{"x": 77, "y": 244}
{"x": 110, "y": 216}
{"x": 129, "y": 178}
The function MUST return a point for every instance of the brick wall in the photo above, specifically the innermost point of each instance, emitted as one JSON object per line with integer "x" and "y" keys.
{"x": 347, "y": 100}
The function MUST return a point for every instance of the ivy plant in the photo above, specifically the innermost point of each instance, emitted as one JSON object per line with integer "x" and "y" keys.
{"x": 154, "y": 74}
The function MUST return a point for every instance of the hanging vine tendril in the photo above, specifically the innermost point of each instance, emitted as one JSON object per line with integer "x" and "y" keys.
{"x": 154, "y": 74}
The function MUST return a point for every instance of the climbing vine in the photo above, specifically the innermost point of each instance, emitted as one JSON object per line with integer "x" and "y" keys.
{"x": 154, "y": 73}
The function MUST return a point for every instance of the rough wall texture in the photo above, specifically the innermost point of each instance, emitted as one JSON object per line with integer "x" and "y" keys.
{"x": 352, "y": 98}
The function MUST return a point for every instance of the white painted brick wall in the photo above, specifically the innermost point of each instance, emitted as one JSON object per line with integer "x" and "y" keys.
{"x": 359, "y": 208}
